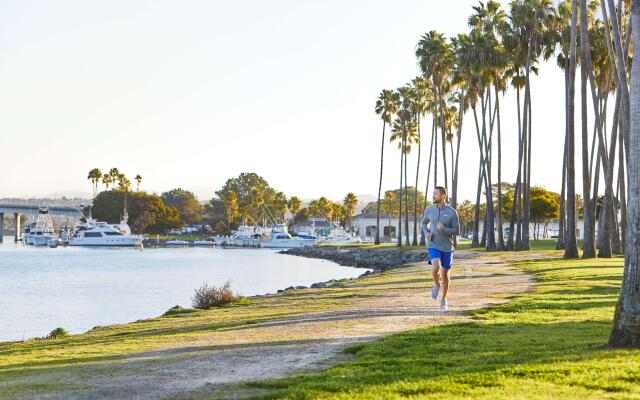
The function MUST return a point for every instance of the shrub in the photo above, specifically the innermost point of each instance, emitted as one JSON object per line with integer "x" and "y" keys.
{"x": 207, "y": 296}
{"x": 57, "y": 333}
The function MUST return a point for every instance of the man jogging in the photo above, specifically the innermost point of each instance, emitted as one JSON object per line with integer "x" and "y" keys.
{"x": 440, "y": 224}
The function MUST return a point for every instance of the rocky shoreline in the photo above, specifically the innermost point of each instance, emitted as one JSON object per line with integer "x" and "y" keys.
{"x": 378, "y": 259}
{"x": 374, "y": 259}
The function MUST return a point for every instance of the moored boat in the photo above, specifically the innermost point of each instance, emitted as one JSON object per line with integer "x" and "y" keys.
{"x": 98, "y": 233}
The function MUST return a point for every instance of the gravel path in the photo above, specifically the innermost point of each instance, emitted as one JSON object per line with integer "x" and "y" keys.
{"x": 200, "y": 367}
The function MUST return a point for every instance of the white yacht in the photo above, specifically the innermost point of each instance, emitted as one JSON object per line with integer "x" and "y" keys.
{"x": 340, "y": 236}
{"x": 281, "y": 239}
{"x": 177, "y": 242}
{"x": 38, "y": 233}
{"x": 204, "y": 242}
{"x": 244, "y": 236}
{"x": 98, "y": 233}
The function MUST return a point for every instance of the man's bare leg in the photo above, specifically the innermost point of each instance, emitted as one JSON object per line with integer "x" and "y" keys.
{"x": 445, "y": 282}
{"x": 435, "y": 270}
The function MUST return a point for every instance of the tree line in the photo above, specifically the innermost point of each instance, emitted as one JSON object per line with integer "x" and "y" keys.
{"x": 471, "y": 72}
{"x": 249, "y": 200}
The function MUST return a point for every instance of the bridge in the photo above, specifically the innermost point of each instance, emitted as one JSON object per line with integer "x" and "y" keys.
{"x": 18, "y": 210}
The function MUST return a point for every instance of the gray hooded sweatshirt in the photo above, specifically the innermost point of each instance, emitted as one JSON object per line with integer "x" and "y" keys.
{"x": 442, "y": 240}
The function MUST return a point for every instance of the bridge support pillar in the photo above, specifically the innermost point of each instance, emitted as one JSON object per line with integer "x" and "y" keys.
{"x": 1, "y": 227}
{"x": 17, "y": 226}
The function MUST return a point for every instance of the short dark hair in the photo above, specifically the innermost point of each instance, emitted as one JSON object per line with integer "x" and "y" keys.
{"x": 442, "y": 189}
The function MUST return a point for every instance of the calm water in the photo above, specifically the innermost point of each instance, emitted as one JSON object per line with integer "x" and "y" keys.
{"x": 79, "y": 288}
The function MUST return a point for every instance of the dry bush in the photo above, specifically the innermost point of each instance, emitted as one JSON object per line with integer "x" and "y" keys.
{"x": 207, "y": 296}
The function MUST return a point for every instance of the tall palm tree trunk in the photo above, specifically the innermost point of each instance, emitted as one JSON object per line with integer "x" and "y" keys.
{"x": 501, "y": 245}
{"x": 623, "y": 190}
{"x": 488, "y": 232}
{"x": 377, "y": 241}
{"x": 526, "y": 202}
{"x": 415, "y": 193}
{"x": 406, "y": 198}
{"x": 443, "y": 138}
{"x": 571, "y": 245}
{"x": 588, "y": 240}
{"x": 426, "y": 190}
{"x": 626, "y": 321}
{"x": 516, "y": 191}
{"x": 454, "y": 199}
{"x": 524, "y": 243}
{"x": 604, "y": 242}
{"x": 400, "y": 194}
{"x": 562, "y": 221}
{"x": 475, "y": 241}
{"x": 435, "y": 136}
{"x": 622, "y": 75}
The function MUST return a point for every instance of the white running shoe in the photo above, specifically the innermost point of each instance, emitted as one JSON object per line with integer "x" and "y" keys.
{"x": 443, "y": 305}
{"x": 434, "y": 291}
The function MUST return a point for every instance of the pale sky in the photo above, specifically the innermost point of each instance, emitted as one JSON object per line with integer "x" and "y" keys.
{"x": 190, "y": 93}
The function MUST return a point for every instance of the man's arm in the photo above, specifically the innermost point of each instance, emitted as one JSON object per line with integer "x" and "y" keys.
{"x": 425, "y": 222}
{"x": 455, "y": 225}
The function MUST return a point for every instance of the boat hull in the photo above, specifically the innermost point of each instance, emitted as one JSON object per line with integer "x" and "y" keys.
{"x": 287, "y": 243}
{"x": 102, "y": 242}
{"x": 39, "y": 240}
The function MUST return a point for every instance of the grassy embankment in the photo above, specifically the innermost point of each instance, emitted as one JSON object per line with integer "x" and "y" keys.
{"x": 546, "y": 344}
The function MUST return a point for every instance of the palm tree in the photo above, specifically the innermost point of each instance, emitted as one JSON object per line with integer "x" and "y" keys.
{"x": 350, "y": 204}
{"x": 294, "y": 205}
{"x": 532, "y": 21}
{"x": 107, "y": 180}
{"x": 138, "y": 180}
{"x": 114, "y": 172}
{"x": 230, "y": 202}
{"x": 386, "y": 107}
{"x": 256, "y": 200}
{"x": 404, "y": 131}
{"x": 436, "y": 59}
{"x": 124, "y": 184}
{"x": 490, "y": 21}
{"x": 94, "y": 175}
{"x": 626, "y": 321}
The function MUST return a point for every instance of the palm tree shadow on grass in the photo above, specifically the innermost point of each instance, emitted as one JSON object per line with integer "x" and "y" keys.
{"x": 463, "y": 351}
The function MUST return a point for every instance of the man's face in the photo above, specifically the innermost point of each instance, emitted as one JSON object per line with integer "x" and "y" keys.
{"x": 437, "y": 196}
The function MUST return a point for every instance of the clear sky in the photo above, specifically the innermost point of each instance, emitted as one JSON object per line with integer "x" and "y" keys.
{"x": 190, "y": 93}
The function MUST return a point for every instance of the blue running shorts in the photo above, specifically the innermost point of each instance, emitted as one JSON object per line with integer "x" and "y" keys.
{"x": 444, "y": 256}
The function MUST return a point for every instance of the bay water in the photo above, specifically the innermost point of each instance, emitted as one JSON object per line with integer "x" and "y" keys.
{"x": 79, "y": 288}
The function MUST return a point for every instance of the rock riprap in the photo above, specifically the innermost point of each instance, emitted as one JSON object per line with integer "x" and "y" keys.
{"x": 377, "y": 259}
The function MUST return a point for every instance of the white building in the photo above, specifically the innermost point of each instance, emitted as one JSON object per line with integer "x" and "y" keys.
{"x": 365, "y": 226}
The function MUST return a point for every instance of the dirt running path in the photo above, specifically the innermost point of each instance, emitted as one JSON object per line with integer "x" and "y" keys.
{"x": 285, "y": 346}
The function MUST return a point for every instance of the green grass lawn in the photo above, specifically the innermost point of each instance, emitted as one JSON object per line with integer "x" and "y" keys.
{"x": 547, "y": 344}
